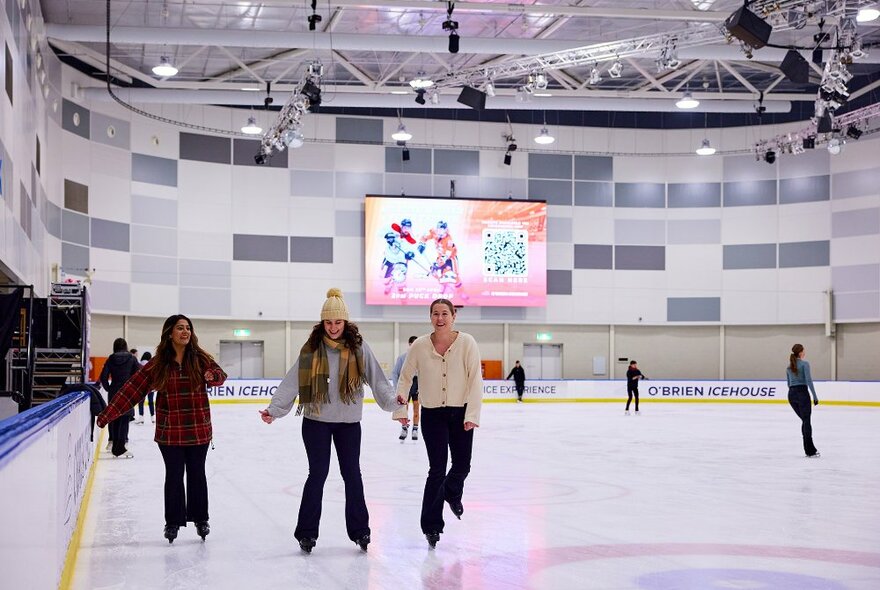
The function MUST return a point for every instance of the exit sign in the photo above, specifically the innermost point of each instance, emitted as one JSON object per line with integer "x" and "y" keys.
{"x": 241, "y": 332}
{"x": 544, "y": 336}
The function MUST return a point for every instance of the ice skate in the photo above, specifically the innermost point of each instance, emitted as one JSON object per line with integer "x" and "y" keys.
{"x": 456, "y": 507}
{"x": 307, "y": 544}
{"x": 403, "y": 432}
{"x": 126, "y": 455}
{"x": 432, "y": 539}
{"x": 815, "y": 456}
{"x": 202, "y": 529}
{"x": 638, "y": 413}
{"x": 415, "y": 433}
{"x": 171, "y": 532}
{"x": 109, "y": 446}
{"x": 362, "y": 542}
{"x": 626, "y": 412}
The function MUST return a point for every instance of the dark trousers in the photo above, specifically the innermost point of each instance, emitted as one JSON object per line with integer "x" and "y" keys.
{"x": 799, "y": 399}
{"x": 141, "y": 405}
{"x": 346, "y": 437}
{"x": 444, "y": 435}
{"x": 520, "y": 388}
{"x": 189, "y": 504}
{"x": 119, "y": 434}
{"x": 631, "y": 390}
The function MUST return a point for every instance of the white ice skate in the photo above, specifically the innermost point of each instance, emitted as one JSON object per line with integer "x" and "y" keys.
{"x": 415, "y": 433}
{"x": 403, "y": 432}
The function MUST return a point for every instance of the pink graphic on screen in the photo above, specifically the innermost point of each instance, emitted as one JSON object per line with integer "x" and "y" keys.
{"x": 473, "y": 252}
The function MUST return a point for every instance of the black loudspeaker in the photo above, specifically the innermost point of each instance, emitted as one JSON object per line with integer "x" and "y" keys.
{"x": 749, "y": 28}
{"x": 473, "y": 98}
{"x": 795, "y": 67}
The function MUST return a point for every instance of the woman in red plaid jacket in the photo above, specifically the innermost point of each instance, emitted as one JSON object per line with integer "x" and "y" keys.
{"x": 180, "y": 372}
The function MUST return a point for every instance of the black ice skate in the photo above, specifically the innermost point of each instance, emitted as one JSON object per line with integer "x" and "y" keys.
{"x": 362, "y": 542}
{"x": 457, "y": 508}
{"x": 307, "y": 544}
{"x": 171, "y": 532}
{"x": 202, "y": 529}
{"x": 432, "y": 539}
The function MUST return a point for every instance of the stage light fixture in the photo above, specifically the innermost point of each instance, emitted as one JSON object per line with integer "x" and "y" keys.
{"x": 312, "y": 92}
{"x": 420, "y": 96}
{"x": 809, "y": 142}
{"x": 404, "y": 155}
{"x": 835, "y": 144}
{"x": 490, "y": 88}
{"x": 451, "y": 26}
{"x": 595, "y": 76}
{"x": 616, "y": 70}
{"x": 314, "y": 18}
{"x": 853, "y": 132}
{"x": 261, "y": 159}
{"x": 770, "y": 156}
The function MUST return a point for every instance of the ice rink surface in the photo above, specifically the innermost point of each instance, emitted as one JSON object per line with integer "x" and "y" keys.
{"x": 560, "y": 496}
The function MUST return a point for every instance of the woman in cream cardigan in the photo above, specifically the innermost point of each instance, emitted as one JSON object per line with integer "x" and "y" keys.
{"x": 450, "y": 390}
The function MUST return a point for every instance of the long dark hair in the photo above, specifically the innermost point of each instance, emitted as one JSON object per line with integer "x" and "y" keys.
{"x": 195, "y": 359}
{"x": 796, "y": 350}
{"x": 350, "y": 335}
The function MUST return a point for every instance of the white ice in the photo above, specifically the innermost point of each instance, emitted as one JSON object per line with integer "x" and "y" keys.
{"x": 560, "y": 496}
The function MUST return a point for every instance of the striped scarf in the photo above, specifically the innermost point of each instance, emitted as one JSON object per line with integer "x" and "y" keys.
{"x": 314, "y": 375}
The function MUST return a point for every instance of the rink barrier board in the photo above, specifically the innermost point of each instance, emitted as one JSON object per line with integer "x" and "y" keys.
{"x": 586, "y": 400}
{"x": 76, "y": 539}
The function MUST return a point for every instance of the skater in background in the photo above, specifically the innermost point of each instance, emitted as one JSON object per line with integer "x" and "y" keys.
{"x": 328, "y": 378}
{"x": 118, "y": 369}
{"x": 800, "y": 386}
{"x": 145, "y": 358}
{"x": 633, "y": 375}
{"x": 413, "y": 394}
{"x": 180, "y": 372}
{"x": 451, "y": 391}
{"x": 519, "y": 379}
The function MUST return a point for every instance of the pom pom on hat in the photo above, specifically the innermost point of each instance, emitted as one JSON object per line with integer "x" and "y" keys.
{"x": 334, "y": 308}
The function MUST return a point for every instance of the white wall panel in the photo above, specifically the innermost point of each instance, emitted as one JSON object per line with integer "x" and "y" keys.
{"x": 205, "y": 245}
{"x": 154, "y": 300}
{"x": 693, "y": 268}
{"x": 805, "y": 222}
{"x": 855, "y": 250}
{"x": 749, "y": 307}
{"x": 110, "y": 197}
{"x": 632, "y": 304}
{"x": 749, "y": 225}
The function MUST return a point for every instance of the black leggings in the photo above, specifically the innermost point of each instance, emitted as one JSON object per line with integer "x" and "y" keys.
{"x": 190, "y": 503}
{"x": 799, "y": 399}
{"x": 632, "y": 390}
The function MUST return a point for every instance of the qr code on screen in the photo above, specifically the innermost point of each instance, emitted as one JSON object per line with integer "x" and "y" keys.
{"x": 505, "y": 253}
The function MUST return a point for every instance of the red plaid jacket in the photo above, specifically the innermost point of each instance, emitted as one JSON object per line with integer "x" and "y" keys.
{"x": 183, "y": 413}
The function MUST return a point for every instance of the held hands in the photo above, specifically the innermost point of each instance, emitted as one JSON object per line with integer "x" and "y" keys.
{"x": 470, "y": 426}
{"x": 403, "y": 421}
{"x": 266, "y": 416}
{"x": 209, "y": 375}
{"x": 401, "y": 400}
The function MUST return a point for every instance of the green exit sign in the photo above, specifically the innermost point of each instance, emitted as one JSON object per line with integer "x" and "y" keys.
{"x": 241, "y": 332}
{"x": 544, "y": 336}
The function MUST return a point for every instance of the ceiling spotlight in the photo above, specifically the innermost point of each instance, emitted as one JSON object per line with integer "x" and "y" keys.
{"x": 404, "y": 155}
{"x": 421, "y": 81}
{"x": 616, "y": 69}
{"x": 435, "y": 98}
{"x": 252, "y": 128}
{"x": 314, "y": 18}
{"x": 165, "y": 69}
{"x": 507, "y": 159}
{"x": 705, "y": 149}
{"x": 867, "y": 15}
{"x": 687, "y": 101}
{"x": 313, "y": 93}
{"x": 835, "y": 144}
{"x": 451, "y": 26}
{"x": 853, "y": 132}
{"x": 401, "y": 134}
{"x": 770, "y": 156}
{"x": 809, "y": 142}
{"x": 540, "y": 81}
{"x": 420, "y": 96}
{"x": 595, "y": 76}
{"x": 293, "y": 138}
{"x": 544, "y": 137}
{"x": 490, "y": 88}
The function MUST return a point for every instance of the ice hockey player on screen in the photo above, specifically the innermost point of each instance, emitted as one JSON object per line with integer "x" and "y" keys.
{"x": 445, "y": 267}
{"x": 396, "y": 263}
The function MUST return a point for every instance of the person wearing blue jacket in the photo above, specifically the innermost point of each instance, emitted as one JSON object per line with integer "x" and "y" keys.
{"x": 800, "y": 386}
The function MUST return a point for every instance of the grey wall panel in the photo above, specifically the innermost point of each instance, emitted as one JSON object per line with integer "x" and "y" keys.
{"x": 53, "y": 219}
{"x": 110, "y": 234}
{"x": 153, "y": 270}
{"x": 639, "y": 194}
{"x": 110, "y": 131}
{"x": 76, "y": 196}
{"x": 749, "y": 192}
{"x": 309, "y": 183}
{"x": 859, "y": 183}
{"x": 503, "y": 314}
{"x": 413, "y": 185}
{"x": 594, "y": 168}
{"x": 597, "y": 256}
{"x": 809, "y": 163}
{"x": 559, "y": 229}
{"x": 244, "y": 150}
{"x": 153, "y": 170}
{"x": 639, "y": 257}
{"x": 153, "y": 211}
{"x": 694, "y": 194}
{"x": 210, "y": 302}
{"x": 465, "y": 186}
{"x": 148, "y": 239}
{"x": 594, "y": 194}
{"x": 350, "y": 130}
{"x": 800, "y": 254}
{"x": 693, "y": 309}
{"x": 858, "y": 277}
{"x": 75, "y": 118}
{"x": 74, "y": 259}
{"x": 350, "y": 224}
{"x": 457, "y": 162}
{"x": 859, "y": 222}
{"x": 205, "y": 273}
{"x": 559, "y": 282}
{"x": 355, "y": 185}
{"x": 749, "y": 256}
{"x": 309, "y": 249}
{"x": 736, "y": 168}
{"x": 556, "y": 166}
{"x": 75, "y": 228}
{"x": 555, "y": 192}
{"x": 805, "y": 189}
{"x": 110, "y": 296}
{"x": 693, "y": 231}
{"x": 856, "y": 306}
{"x": 419, "y": 161}
{"x": 259, "y": 248}
{"x": 205, "y": 148}
{"x": 647, "y": 232}
{"x": 502, "y": 188}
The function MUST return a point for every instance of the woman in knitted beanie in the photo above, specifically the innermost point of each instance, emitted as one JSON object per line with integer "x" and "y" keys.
{"x": 328, "y": 378}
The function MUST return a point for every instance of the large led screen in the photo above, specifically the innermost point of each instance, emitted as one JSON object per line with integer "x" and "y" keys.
{"x": 473, "y": 252}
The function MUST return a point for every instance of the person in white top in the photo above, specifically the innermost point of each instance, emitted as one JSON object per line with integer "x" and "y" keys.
{"x": 451, "y": 393}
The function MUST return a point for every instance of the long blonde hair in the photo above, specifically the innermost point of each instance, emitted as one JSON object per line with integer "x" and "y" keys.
{"x": 796, "y": 350}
